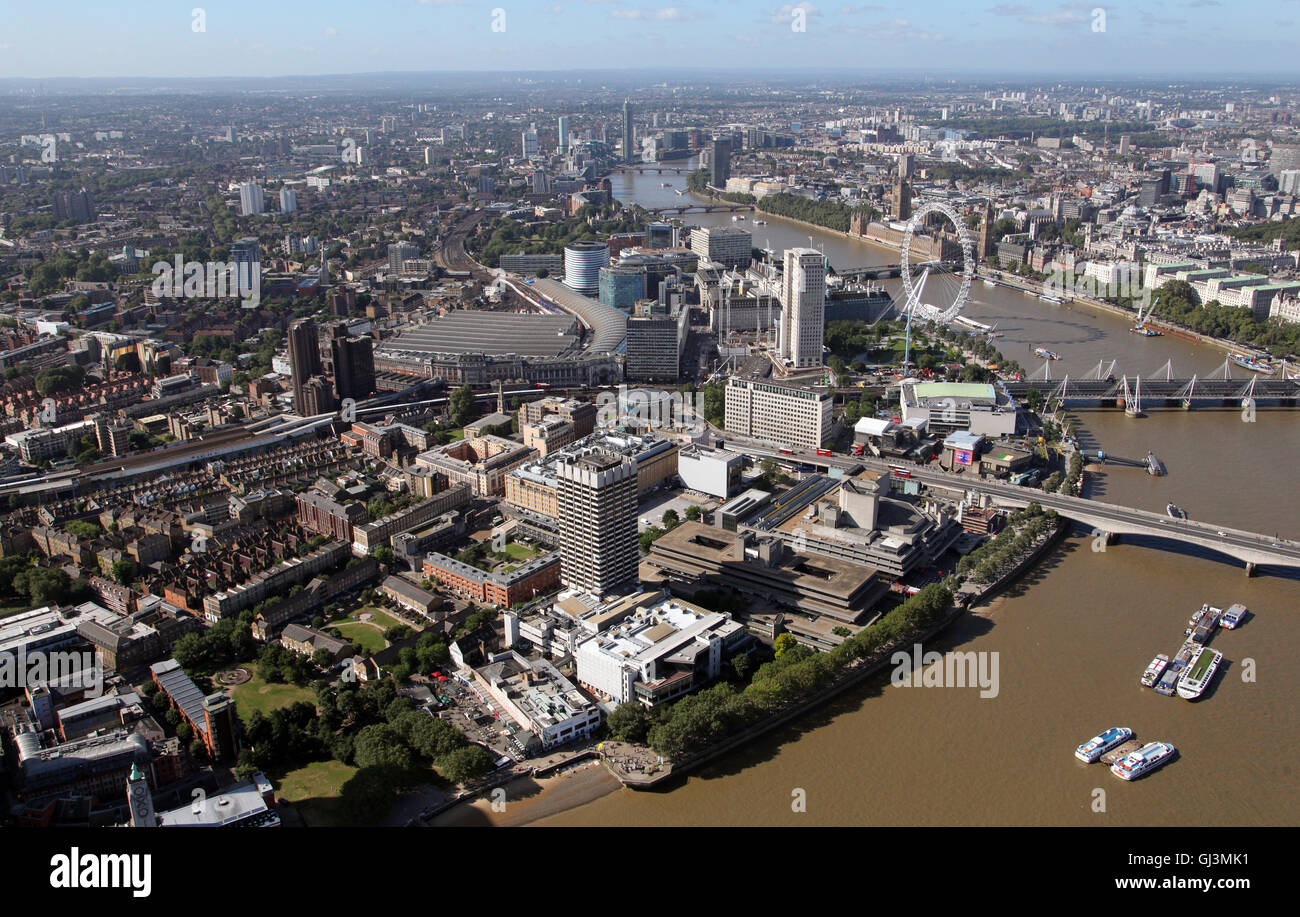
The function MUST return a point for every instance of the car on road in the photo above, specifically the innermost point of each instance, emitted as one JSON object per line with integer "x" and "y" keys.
{"x": 1224, "y": 534}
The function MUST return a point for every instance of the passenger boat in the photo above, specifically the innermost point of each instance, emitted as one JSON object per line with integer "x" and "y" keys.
{"x": 665, "y": 185}
{"x": 737, "y": 218}
{"x": 1174, "y": 511}
{"x": 1097, "y": 746}
{"x": 1047, "y": 354}
{"x": 990, "y": 283}
{"x": 1155, "y": 670}
{"x": 1052, "y": 299}
{"x": 1253, "y": 363}
{"x": 1144, "y": 760}
{"x": 1146, "y": 332}
{"x": 1232, "y": 616}
{"x": 1199, "y": 674}
{"x": 760, "y": 222}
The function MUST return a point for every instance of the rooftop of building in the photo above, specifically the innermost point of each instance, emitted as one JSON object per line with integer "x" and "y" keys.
{"x": 522, "y": 334}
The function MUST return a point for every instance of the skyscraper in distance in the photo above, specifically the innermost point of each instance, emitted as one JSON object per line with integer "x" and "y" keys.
{"x": 304, "y": 359}
{"x": 720, "y": 163}
{"x": 354, "y": 363}
{"x": 629, "y": 151}
{"x": 250, "y": 199}
{"x": 564, "y": 134}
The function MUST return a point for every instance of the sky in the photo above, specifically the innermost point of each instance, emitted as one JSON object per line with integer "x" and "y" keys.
{"x": 268, "y": 38}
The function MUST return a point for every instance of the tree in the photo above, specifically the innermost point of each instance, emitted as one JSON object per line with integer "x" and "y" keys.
{"x": 465, "y": 764}
{"x": 124, "y": 572}
{"x": 461, "y": 407}
{"x": 693, "y": 513}
{"x": 629, "y": 722}
{"x": 379, "y": 745}
{"x": 784, "y": 644}
{"x": 671, "y": 519}
{"x": 384, "y": 554}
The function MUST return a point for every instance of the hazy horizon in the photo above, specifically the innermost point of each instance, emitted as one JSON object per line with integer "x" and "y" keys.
{"x": 240, "y": 40}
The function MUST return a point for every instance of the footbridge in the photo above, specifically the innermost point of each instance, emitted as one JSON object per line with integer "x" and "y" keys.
{"x": 1161, "y": 389}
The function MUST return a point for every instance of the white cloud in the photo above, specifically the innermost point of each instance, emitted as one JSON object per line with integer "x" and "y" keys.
{"x": 661, "y": 14}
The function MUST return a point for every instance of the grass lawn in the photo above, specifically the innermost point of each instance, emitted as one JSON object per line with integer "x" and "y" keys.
{"x": 520, "y": 551}
{"x": 377, "y": 616}
{"x": 371, "y": 640}
{"x": 315, "y": 789}
{"x": 13, "y": 610}
{"x": 259, "y": 694}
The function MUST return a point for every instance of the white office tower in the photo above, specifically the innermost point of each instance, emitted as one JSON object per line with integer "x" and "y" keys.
{"x": 428, "y": 155}
{"x": 564, "y": 134}
{"x": 288, "y": 200}
{"x": 582, "y": 264}
{"x": 803, "y": 307}
{"x": 530, "y": 146}
{"x": 597, "y": 499}
{"x": 250, "y": 199}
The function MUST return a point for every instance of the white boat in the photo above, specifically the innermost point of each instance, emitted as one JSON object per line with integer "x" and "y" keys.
{"x": 1144, "y": 760}
{"x": 737, "y": 218}
{"x": 1052, "y": 299}
{"x": 1232, "y": 616}
{"x": 1047, "y": 354}
{"x": 760, "y": 222}
{"x": 1253, "y": 363}
{"x": 1097, "y": 746}
{"x": 1200, "y": 672}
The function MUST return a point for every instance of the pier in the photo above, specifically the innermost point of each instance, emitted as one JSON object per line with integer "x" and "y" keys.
{"x": 1151, "y": 464}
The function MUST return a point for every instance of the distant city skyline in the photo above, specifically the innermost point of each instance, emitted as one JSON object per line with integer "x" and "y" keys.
{"x": 239, "y": 38}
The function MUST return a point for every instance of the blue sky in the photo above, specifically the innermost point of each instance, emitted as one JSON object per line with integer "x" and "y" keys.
{"x": 154, "y": 38}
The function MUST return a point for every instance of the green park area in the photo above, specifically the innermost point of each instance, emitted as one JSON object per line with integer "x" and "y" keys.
{"x": 314, "y": 790}
{"x": 259, "y": 694}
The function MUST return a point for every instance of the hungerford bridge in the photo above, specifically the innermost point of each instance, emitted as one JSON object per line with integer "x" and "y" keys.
{"x": 1161, "y": 389}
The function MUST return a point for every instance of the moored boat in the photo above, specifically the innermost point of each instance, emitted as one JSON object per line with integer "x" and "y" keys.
{"x": 1199, "y": 674}
{"x": 1047, "y": 354}
{"x": 1144, "y": 760}
{"x": 1232, "y": 616}
{"x": 1097, "y": 746}
{"x": 1155, "y": 670}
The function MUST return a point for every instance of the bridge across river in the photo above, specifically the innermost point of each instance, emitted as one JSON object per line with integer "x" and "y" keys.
{"x": 701, "y": 208}
{"x": 1105, "y": 519}
{"x": 1149, "y": 393}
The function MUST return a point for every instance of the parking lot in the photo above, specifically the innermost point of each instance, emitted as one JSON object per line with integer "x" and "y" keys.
{"x": 651, "y": 511}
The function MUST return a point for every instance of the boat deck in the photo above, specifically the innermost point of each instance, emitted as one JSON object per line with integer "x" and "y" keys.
{"x": 1120, "y": 751}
